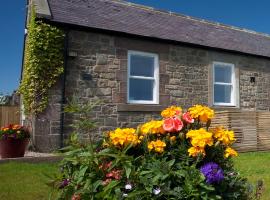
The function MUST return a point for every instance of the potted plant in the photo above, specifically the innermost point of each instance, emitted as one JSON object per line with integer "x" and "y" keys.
{"x": 13, "y": 141}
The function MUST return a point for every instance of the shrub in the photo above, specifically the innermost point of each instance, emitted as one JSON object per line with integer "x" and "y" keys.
{"x": 177, "y": 157}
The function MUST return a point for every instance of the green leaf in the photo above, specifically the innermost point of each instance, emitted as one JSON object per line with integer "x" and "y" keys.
{"x": 128, "y": 170}
{"x": 96, "y": 185}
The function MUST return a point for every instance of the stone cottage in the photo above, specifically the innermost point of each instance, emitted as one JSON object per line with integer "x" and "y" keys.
{"x": 138, "y": 60}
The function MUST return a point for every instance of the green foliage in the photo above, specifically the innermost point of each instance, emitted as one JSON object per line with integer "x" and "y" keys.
{"x": 42, "y": 65}
{"x": 83, "y": 125}
{"x": 176, "y": 178}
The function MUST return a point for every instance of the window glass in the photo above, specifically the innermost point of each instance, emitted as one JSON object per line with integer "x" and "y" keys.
{"x": 142, "y": 66}
{"x": 222, "y": 93}
{"x": 223, "y": 74}
{"x": 140, "y": 89}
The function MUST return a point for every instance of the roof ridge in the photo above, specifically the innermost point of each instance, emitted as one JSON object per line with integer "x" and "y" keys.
{"x": 124, "y": 2}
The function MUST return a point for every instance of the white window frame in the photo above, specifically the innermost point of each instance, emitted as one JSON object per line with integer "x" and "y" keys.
{"x": 233, "y": 84}
{"x": 155, "y": 78}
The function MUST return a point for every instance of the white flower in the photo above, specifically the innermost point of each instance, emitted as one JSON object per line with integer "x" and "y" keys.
{"x": 125, "y": 194}
{"x": 231, "y": 174}
{"x": 128, "y": 186}
{"x": 156, "y": 191}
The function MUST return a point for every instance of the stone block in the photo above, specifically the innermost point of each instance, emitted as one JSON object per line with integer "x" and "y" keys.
{"x": 104, "y": 91}
{"x": 102, "y": 59}
{"x": 109, "y": 121}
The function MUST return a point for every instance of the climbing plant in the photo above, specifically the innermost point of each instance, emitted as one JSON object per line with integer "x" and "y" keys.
{"x": 43, "y": 64}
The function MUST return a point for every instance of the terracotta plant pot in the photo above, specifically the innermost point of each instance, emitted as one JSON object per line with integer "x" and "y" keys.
{"x": 13, "y": 148}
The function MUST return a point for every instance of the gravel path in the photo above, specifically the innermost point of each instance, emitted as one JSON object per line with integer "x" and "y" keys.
{"x": 37, "y": 154}
{"x": 34, "y": 157}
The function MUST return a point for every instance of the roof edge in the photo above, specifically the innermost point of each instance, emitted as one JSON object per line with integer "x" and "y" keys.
{"x": 127, "y": 3}
{"x": 42, "y": 9}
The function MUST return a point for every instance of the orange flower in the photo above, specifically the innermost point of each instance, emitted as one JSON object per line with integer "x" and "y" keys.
{"x": 230, "y": 152}
{"x": 195, "y": 151}
{"x": 171, "y": 111}
{"x": 158, "y": 146}
{"x": 203, "y": 113}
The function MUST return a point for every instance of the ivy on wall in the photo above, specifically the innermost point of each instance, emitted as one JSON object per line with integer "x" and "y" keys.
{"x": 43, "y": 64}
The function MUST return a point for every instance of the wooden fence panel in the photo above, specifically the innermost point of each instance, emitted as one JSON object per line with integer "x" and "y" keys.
{"x": 252, "y": 129}
{"x": 263, "y": 127}
{"x": 9, "y": 115}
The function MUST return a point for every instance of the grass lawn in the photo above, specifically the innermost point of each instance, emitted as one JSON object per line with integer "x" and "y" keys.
{"x": 24, "y": 181}
{"x": 255, "y": 166}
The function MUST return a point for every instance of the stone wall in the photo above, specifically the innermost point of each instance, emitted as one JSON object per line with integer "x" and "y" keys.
{"x": 99, "y": 71}
{"x": 46, "y": 125}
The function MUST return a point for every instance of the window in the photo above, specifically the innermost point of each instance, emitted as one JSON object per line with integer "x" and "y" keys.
{"x": 143, "y": 78}
{"x": 224, "y": 84}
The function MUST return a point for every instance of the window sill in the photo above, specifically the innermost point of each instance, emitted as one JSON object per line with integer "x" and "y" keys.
{"x": 222, "y": 108}
{"x": 139, "y": 108}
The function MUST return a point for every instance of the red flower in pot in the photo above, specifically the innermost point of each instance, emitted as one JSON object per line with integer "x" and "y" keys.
{"x": 14, "y": 139}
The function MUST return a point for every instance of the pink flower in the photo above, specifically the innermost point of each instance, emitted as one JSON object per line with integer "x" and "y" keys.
{"x": 115, "y": 174}
{"x": 178, "y": 112}
{"x": 76, "y": 197}
{"x": 187, "y": 118}
{"x": 105, "y": 166}
{"x": 168, "y": 124}
{"x": 178, "y": 124}
{"x": 106, "y": 182}
{"x": 172, "y": 124}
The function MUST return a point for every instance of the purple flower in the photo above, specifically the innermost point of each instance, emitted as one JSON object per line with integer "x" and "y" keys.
{"x": 64, "y": 183}
{"x": 212, "y": 172}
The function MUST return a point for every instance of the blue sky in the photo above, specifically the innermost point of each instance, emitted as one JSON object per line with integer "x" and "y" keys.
{"x": 250, "y": 14}
{"x": 11, "y": 43}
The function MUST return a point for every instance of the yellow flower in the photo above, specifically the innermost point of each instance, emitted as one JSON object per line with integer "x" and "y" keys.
{"x": 152, "y": 127}
{"x": 230, "y": 152}
{"x": 195, "y": 151}
{"x": 171, "y": 111}
{"x": 200, "y": 138}
{"x": 123, "y": 137}
{"x": 150, "y": 146}
{"x": 203, "y": 113}
{"x": 224, "y": 136}
{"x": 173, "y": 138}
{"x": 158, "y": 146}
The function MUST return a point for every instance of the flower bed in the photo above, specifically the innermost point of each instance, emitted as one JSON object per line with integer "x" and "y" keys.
{"x": 177, "y": 157}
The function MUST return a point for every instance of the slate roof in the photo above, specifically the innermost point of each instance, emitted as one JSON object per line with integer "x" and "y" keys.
{"x": 121, "y": 16}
